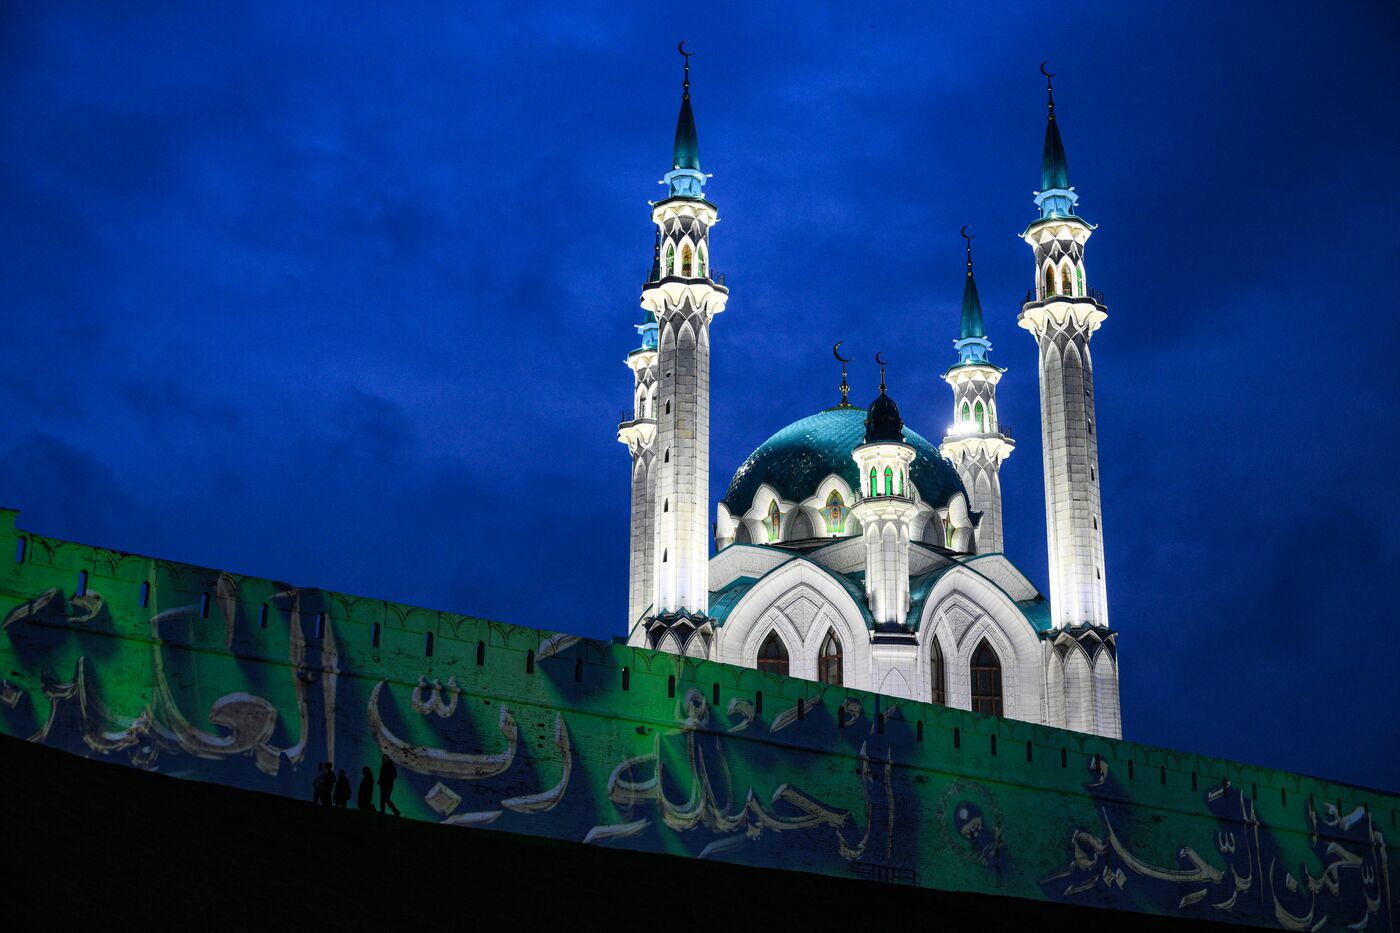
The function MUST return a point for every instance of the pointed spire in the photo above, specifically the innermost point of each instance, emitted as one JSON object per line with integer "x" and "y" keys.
{"x": 656, "y": 259}
{"x": 686, "y": 152}
{"x": 1055, "y": 197}
{"x": 971, "y": 303}
{"x": 882, "y": 421}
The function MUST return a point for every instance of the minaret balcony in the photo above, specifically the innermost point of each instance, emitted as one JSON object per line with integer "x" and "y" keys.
{"x": 971, "y": 429}
{"x": 1041, "y": 294}
{"x": 637, "y": 433}
{"x": 715, "y": 279}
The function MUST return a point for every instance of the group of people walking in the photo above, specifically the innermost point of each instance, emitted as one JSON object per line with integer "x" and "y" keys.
{"x": 329, "y": 789}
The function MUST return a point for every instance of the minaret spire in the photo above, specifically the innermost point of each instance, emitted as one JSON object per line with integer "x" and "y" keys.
{"x": 1056, "y": 198}
{"x": 685, "y": 178}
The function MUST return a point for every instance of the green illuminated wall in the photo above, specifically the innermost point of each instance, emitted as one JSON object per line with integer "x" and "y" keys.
{"x": 249, "y": 682}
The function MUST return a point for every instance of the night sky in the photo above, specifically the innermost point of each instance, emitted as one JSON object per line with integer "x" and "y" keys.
{"x": 342, "y": 296}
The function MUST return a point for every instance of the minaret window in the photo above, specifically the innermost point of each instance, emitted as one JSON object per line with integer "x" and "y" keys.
{"x": 774, "y": 522}
{"x": 685, "y": 261}
{"x": 700, "y": 255}
{"x": 1079, "y": 275}
{"x": 773, "y": 655}
{"x": 901, "y": 482}
{"x": 986, "y": 680}
{"x": 981, "y": 416}
{"x": 1049, "y": 278}
{"x": 829, "y": 660}
{"x": 1065, "y": 287}
{"x": 835, "y": 513}
{"x": 966, "y": 413}
{"x": 938, "y": 674}
{"x": 670, "y": 259}
{"x": 889, "y": 481}
{"x": 874, "y": 484}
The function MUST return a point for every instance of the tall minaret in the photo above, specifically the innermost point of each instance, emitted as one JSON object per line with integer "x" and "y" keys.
{"x": 683, "y": 298}
{"x": 639, "y": 434}
{"x": 977, "y": 442}
{"x": 1062, "y": 313}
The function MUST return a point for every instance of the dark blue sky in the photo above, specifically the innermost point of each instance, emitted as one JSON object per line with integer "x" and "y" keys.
{"x": 341, "y": 296}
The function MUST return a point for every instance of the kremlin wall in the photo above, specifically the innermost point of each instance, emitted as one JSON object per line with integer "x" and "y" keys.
{"x": 216, "y": 677}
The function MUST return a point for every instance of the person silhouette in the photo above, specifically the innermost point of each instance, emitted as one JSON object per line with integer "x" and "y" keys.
{"x": 388, "y": 774}
{"x": 365, "y": 799}
{"x": 325, "y": 784}
{"x": 342, "y": 790}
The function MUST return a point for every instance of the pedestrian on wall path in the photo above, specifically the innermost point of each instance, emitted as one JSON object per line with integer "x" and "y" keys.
{"x": 388, "y": 774}
{"x": 365, "y": 798}
{"x": 342, "y": 790}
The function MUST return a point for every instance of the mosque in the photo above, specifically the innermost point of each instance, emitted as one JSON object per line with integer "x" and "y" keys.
{"x": 850, "y": 549}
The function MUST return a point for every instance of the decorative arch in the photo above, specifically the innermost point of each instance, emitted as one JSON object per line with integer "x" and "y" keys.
{"x": 834, "y": 513}
{"x": 688, "y": 261}
{"x": 1066, "y": 283}
{"x": 799, "y": 525}
{"x": 773, "y": 655}
{"x": 830, "y": 660}
{"x": 1079, "y": 691}
{"x": 985, "y": 679}
{"x": 938, "y": 674}
{"x": 963, "y": 609}
{"x": 802, "y": 601}
{"x": 703, "y": 257}
{"x": 1105, "y": 678}
{"x": 670, "y": 259}
{"x": 979, "y": 415}
{"x": 1047, "y": 277}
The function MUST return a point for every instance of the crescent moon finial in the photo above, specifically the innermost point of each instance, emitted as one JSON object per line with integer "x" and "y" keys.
{"x": 681, "y": 48}
{"x": 1049, "y": 86}
{"x": 968, "y": 238}
{"x": 1048, "y": 74}
{"x": 879, "y": 358}
{"x": 845, "y": 387}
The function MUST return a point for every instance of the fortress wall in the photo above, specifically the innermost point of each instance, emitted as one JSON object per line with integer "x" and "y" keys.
{"x": 598, "y": 742}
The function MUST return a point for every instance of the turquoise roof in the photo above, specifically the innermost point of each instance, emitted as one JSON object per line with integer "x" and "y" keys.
{"x": 801, "y": 455}
{"x": 727, "y": 597}
{"x": 686, "y": 152}
{"x": 971, "y": 310}
{"x": 1054, "y": 168}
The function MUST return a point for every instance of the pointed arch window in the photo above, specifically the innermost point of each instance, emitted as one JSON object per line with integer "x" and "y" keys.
{"x": 774, "y": 521}
{"x": 938, "y": 674}
{"x": 901, "y": 482}
{"x": 773, "y": 655}
{"x": 829, "y": 660}
{"x": 1049, "y": 278}
{"x": 966, "y": 412}
{"x": 670, "y": 259}
{"x": 889, "y": 481}
{"x": 947, "y": 534}
{"x": 874, "y": 484}
{"x": 835, "y": 513}
{"x": 1065, "y": 287}
{"x": 986, "y": 680}
{"x": 700, "y": 255}
{"x": 980, "y": 416}
{"x": 1079, "y": 277}
{"x": 685, "y": 261}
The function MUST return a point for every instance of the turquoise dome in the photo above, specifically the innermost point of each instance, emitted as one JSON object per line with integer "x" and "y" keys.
{"x": 804, "y": 453}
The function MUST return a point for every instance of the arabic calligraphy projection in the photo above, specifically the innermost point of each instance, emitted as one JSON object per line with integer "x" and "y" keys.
{"x": 248, "y": 682}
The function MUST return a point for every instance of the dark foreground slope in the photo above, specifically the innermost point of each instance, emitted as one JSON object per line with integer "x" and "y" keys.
{"x": 95, "y": 843}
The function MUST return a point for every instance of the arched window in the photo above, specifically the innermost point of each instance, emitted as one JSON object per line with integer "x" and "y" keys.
{"x": 966, "y": 412}
{"x": 773, "y": 655}
{"x": 1049, "y": 278}
{"x": 774, "y": 521}
{"x": 829, "y": 660}
{"x": 980, "y": 415}
{"x": 937, "y": 674}
{"x": 670, "y": 259}
{"x": 700, "y": 255}
{"x": 685, "y": 262}
{"x": 1066, "y": 288}
{"x": 874, "y": 485}
{"x": 835, "y": 513}
{"x": 947, "y": 534}
{"x": 901, "y": 482}
{"x": 889, "y": 481}
{"x": 1079, "y": 275}
{"x": 986, "y": 680}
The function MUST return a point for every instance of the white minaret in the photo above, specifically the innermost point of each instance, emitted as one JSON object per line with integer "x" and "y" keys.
{"x": 1062, "y": 313}
{"x": 884, "y": 509}
{"x": 683, "y": 298}
{"x": 638, "y": 432}
{"x": 977, "y": 441}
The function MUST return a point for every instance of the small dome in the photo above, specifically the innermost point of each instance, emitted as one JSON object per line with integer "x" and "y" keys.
{"x": 883, "y": 422}
{"x": 797, "y": 458}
